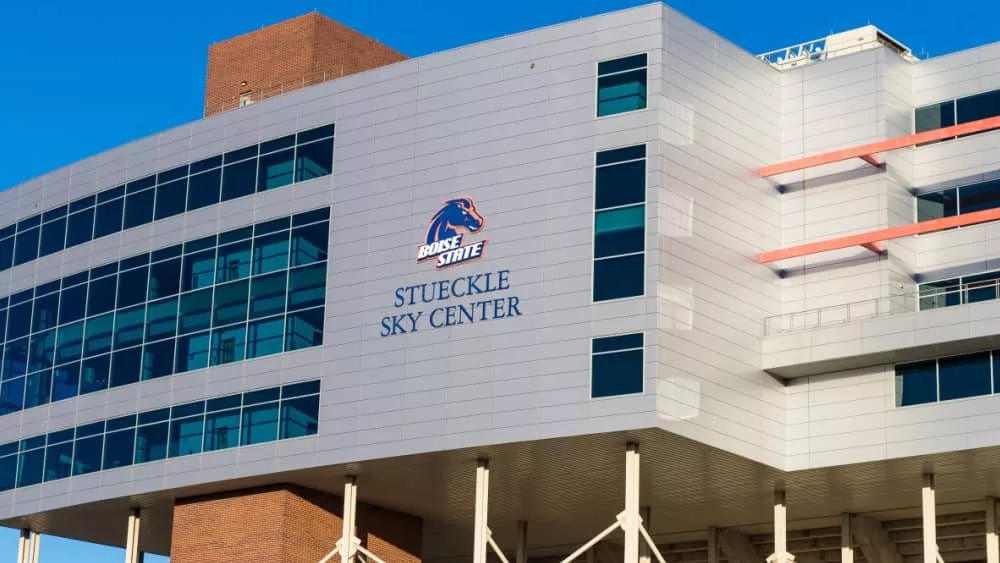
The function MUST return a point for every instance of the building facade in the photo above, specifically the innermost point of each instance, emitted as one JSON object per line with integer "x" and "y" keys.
{"x": 444, "y": 305}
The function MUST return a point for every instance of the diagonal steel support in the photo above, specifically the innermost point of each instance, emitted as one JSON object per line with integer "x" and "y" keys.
{"x": 629, "y": 520}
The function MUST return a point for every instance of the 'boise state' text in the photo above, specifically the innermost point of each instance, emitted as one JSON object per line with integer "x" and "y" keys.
{"x": 450, "y": 251}
{"x": 479, "y": 303}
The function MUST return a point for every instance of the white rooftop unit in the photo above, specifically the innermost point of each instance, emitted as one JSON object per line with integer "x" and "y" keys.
{"x": 835, "y": 45}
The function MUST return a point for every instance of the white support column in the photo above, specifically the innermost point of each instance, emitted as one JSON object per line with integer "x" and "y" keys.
{"x": 992, "y": 542}
{"x": 132, "y": 539}
{"x": 482, "y": 507}
{"x": 24, "y": 546}
{"x": 929, "y": 520}
{"x": 780, "y": 528}
{"x": 36, "y": 540}
{"x": 847, "y": 539}
{"x": 347, "y": 547}
{"x": 630, "y": 523}
{"x": 713, "y": 545}
{"x": 521, "y": 548}
{"x": 645, "y": 555}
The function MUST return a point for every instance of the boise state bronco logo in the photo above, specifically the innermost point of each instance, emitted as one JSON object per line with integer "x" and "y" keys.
{"x": 444, "y": 239}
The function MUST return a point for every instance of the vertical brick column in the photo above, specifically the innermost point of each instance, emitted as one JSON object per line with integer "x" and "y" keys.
{"x": 283, "y": 524}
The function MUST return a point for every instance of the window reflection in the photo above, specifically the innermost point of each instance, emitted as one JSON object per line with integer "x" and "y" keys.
{"x": 245, "y": 293}
{"x": 255, "y": 417}
{"x": 294, "y": 158}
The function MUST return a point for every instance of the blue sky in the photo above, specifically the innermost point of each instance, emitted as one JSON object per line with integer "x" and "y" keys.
{"x": 82, "y": 77}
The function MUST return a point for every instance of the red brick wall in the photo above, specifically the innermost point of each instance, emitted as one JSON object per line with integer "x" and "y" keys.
{"x": 276, "y": 58}
{"x": 284, "y": 525}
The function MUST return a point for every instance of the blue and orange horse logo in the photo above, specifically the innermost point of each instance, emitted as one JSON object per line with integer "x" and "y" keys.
{"x": 444, "y": 239}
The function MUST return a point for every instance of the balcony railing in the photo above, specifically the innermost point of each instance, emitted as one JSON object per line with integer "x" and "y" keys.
{"x": 272, "y": 90}
{"x": 925, "y": 299}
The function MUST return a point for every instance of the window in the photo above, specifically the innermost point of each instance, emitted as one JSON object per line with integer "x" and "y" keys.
{"x": 254, "y": 417}
{"x": 267, "y": 166}
{"x": 241, "y": 296}
{"x": 964, "y": 376}
{"x": 619, "y": 223}
{"x": 943, "y": 379}
{"x": 616, "y": 365}
{"x": 934, "y": 116}
{"x": 955, "y": 112}
{"x": 958, "y": 201}
{"x": 621, "y": 85}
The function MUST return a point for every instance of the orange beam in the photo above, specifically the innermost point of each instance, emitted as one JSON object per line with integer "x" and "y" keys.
{"x": 874, "y": 247}
{"x": 874, "y": 237}
{"x": 868, "y": 151}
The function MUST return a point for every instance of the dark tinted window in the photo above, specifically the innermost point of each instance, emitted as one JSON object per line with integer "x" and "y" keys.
{"x": 80, "y": 227}
{"x": 109, "y": 218}
{"x": 621, "y": 184}
{"x": 203, "y": 189}
{"x": 618, "y": 371}
{"x": 937, "y": 205}
{"x": 615, "y": 278}
{"x": 964, "y": 376}
{"x": 916, "y": 383}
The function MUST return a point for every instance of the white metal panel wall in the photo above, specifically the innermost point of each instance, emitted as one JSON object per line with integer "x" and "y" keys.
{"x": 719, "y": 121}
{"x": 851, "y": 417}
{"x": 510, "y": 122}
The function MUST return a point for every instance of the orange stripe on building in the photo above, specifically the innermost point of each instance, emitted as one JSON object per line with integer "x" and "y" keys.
{"x": 868, "y": 152}
{"x": 871, "y": 240}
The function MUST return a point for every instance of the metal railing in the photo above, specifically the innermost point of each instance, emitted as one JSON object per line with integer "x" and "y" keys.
{"x": 898, "y": 301}
{"x": 840, "y": 314}
{"x": 810, "y": 50}
{"x": 271, "y": 91}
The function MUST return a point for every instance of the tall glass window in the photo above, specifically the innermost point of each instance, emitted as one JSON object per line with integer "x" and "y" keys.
{"x": 621, "y": 85}
{"x": 245, "y": 293}
{"x": 267, "y": 166}
{"x": 619, "y": 223}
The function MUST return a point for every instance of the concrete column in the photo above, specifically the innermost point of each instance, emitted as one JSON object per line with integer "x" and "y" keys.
{"x": 780, "y": 528}
{"x": 521, "y": 548}
{"x": 482, "y": 506}
{"x": 631, "y": 521}
{"x": 713, "y": 545}
{"x": 847, "y": 539}
{"x": 348, "y": 520}
{"x": 929, "y": 519}
{"x": 645, "y": 555}
{"x": 132, "y": 539}
{"x": 23, "y": 547}
{"x": 27, "y": 546}
{"x": 992, "y": 543}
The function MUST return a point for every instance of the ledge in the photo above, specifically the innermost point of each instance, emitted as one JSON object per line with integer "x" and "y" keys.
{"x": 884, "y": 340}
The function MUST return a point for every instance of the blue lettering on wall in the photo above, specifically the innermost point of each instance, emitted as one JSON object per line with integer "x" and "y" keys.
{"x": 473, "y": 301}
